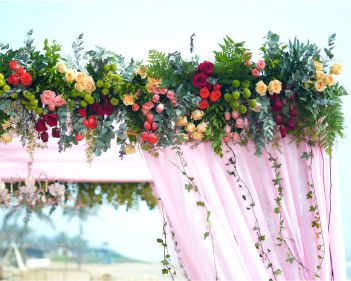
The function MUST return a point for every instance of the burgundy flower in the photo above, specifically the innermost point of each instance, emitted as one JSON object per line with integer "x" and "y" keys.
{"x": 291, "y": 124}
{"x": 283, "y": 132}
{"x": 50, "y": 119}
{"x": 279, "y": 119}
{"x": 277, "y": 106}
{"x": 95, "y": 107}
{"x": 55, "y": 132}
{"x": 100, "y": 111}
{"x": 40, "y": 126}
{"x": 206, "y": 67}
{"x": 108, "y": 108}
{"x": 199, "y": 80}
{"x": 293, "y": 111}
{"x": 44, "y": 136}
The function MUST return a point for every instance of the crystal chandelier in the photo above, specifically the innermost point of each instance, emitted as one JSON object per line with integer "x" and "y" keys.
{"x": 31, "y": 192}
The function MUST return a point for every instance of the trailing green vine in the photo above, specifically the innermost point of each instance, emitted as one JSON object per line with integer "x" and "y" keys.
{"x": 168, "y": 267}
{"x": 277, "y": 181}
{"x": 264, "y": 253}
{"x": 314, "y": 210}
{"x": 191, "y": 186}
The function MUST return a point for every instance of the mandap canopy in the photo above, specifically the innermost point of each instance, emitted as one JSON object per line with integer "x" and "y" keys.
{"x": 239, "y": 150}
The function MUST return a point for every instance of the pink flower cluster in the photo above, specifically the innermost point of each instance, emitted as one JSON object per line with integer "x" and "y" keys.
{"x": 51, "y": 100}
{"x": 260, "y": 65}
{"x": 240, "y": 123}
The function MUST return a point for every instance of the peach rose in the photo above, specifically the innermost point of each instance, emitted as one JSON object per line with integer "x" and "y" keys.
{"x": 197, "y": 114}
{"x": 70, "y": 75}
{"x": 182, "y": 121}
{"x": 319, "y": 75}
{"x": 336, "y": 69}
{"x": 274, "y": 87}
{"x": 190, "y": 128}
{"x": 201, "y": 127}
{"x": 48, "y": 97}
{"x": 128, "y": 100}
{"x": 141, "y": 71}
{"x": 80, "y": 77}
{"x": 318, "y": 65}
{"x": 79, "y": 86}
{"x": 329, "y": 80}
{"x": 60, "y": 67}
{"x": 261, "y": 88}
{"x": 89, "y": 84}
{"x": 319, "y": 86}
{"x": 197, "y": 136}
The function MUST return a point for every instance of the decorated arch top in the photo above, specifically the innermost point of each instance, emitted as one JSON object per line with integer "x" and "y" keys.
{"x": 97, "y": 96}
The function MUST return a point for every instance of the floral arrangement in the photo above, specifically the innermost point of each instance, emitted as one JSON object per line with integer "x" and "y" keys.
{"x": 97, "y": 96}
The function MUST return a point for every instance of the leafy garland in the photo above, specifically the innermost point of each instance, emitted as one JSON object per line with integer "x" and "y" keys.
{"x": 98, "y": 96}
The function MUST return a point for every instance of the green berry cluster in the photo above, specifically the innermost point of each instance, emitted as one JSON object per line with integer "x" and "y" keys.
{"x": 87, "y": 98}
{"x": 4, "y": 88}
{"x": 111, "y": 82}
{"x": 239, "y": 99}
{"x": 29, "y": 101}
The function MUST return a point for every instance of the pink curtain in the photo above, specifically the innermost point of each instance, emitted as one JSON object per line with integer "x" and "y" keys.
{"x": 232, "y": 252}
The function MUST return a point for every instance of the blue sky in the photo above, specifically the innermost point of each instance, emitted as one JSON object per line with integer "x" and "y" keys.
{"x": 133, "y": 27}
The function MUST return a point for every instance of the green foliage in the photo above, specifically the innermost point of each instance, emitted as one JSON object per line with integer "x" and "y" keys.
{"x": 229, "y": 61}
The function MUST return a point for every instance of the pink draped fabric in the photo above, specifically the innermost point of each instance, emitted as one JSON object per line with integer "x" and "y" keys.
{"x": 233, "y": 251}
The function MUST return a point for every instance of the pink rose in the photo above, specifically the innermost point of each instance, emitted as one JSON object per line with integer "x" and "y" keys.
{"x": 159, "y": 108}
{"x": 135, "y": 107}
{"x": 226, "y": 138}
{"x": 156, "y": 98}
{"x": 59, "y": 101}
{"x": 260, "y": 64}
{"x": 148, "y": 106}
{"x": 163, "y": 91}
{"x": 227, "y": 116}
{"x": 171, "y": 95}
{"x": 235, "y": 114}
{"x": 51, "y": 106}
{"x": 255, "y": 72}
{"x": 239, "y": 123}
{"x": 236, "y": 137}
{"x": 174, "y": 102}
{"x": 155, "y": 89}
{"x": 227, "y": 129}
{"x": 48, "y": 97}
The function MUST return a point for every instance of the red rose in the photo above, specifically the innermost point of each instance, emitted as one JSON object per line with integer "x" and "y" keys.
{"x": 40, "y": 126}
{"x": 13, "y": 65}
{"x": 147, "y": 126}
{"x": 55, "y": 132}
{"x": 79, "y": 137}
{"x": 152, "y": 138}
{"x": 92, "y": 122}
{"x": 199, "y": 80}
{"x": 44, "y": 136}
{"x": 206, "y": 67}
{"x": 82, "y": 112}
{"x": 217, "y": 87}
{"x": 20, "y": 71}
{"x": 215, "y": 96}
{"x": 26, "y": 79}
{"x": 13, "y": 79}
{"x": 145, "y": 136}
{"x": 203, "y": 104}
{"x": 50, "y": 119}
{"x": 204, "y": 93}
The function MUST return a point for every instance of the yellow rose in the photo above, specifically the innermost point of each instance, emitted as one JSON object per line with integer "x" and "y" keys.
{"x": 319, "y": 86}
{"x": 336, "y": 69}
{"x": 197, "y": 136}
{"x": 274, "y": 87}
{"x": 79, "y": 86}
{"x": 190, "y": 128}
{"x": 319, "y": 75}
{"x": 151, "y": 82}
{"x": 201, "y": 127}
{"x": 80, "y": 77}
{"x": 70, "y": 75}
{"x": 197, "y": 114}
{"x": 318, "y": 65}
{"x": 6, "y": 138}
{"x": 89, "y": 84}
{"x": 261, "y": 88}
{"x": 182, "y": 121}
{"x": 128, "y": 100}
{"x": 130, "y": 149}
{"x": 60, "y": 67}
{"x": 329, "y": 80}
{"x": 141, "y": 71}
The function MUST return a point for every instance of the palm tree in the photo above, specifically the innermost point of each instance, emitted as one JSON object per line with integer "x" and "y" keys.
{"x": 82, "y": 214}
